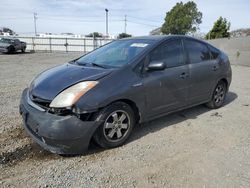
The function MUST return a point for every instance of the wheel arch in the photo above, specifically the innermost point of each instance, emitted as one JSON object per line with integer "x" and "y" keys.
{"x": 225, "y": 81}
{"x": 134, "y": 107}
{"x": 94, "y": 138}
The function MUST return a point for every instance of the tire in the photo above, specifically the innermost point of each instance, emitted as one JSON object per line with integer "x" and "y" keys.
{"x": 219, "y": 96}
{"x": 11, "y": 49}
{"x": 118, "y": 122}
{"x": 23, "y": 50}
{"x": 67, "y": 155}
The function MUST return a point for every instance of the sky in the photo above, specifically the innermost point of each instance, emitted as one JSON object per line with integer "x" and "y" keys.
{"x": 85, "y": 16}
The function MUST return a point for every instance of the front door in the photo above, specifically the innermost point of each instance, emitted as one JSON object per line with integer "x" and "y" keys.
{"x": 167, "y": 90}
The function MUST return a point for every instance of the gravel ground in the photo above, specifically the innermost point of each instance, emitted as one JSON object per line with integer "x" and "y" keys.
{"x": 197, "y": 147}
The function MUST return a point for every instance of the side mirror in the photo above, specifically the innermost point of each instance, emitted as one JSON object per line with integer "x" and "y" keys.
{"x": 156, "y": 65}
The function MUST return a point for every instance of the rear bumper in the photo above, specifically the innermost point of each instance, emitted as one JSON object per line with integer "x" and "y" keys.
{"x": 57, "y": 134}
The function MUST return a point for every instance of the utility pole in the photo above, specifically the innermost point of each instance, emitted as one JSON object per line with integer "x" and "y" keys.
{"x": 125, "y": 24}
{"x": 35, "y": 18}
{"x": 107, "y": 31}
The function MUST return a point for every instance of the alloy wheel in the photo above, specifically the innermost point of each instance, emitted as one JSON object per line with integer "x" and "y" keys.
{"x": 116, "y": 126}
{"x": 219, "y": 94}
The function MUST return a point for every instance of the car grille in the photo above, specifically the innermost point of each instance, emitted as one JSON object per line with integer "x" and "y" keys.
{"x": 43, "y": 103}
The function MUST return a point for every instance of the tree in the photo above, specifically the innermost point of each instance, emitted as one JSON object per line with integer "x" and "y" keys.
{"x": 182, "y": 19}
{"x": 124, "y": 35}
{"x": 95, "y": 34}
{"x": 220, "y": 29}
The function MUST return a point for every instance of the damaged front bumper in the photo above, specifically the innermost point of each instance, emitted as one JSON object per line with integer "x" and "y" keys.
{"x": 57, "y": 134}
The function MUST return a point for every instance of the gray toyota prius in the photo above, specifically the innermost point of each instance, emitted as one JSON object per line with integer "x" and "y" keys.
{"x": 102, "y": 95}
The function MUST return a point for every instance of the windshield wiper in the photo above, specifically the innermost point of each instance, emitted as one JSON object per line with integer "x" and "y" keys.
{"x": 92, "y": 64}
{"x": 73, "y": 61}
{"x": 98, "y": 65}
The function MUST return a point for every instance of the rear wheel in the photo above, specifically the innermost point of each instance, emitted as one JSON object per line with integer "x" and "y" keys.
{"x": 219, "y": 95}
{"x": 118, "y": 122}
{"x": 23, "y": 50}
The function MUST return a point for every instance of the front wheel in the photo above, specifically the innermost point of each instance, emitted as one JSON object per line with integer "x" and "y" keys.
{"x": 219, "y": 96}
{"x": 11, "y": 49}
{"x": 118, "y": 122}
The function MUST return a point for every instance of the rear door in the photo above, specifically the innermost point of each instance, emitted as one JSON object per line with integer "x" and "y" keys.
{"x": 202, "y": 71}
{"x": 166, "y": 90}
{"x": 217, "y": 62}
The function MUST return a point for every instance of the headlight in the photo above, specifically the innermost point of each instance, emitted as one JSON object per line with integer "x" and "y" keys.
{"x": 69, "y": 96}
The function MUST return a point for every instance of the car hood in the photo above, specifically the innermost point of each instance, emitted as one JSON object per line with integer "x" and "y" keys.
{"x": 51, "y": 82}
{"x": 4, "y": 44}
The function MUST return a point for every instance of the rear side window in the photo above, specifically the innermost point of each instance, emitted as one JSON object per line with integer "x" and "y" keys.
{"x": 170, "y": 53}
{"x": 214, "y": 52}
{"x": 197, "y": 51}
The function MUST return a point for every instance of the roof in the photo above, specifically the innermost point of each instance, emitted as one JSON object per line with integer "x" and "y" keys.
{"x": 150, "y": 37}
{"x": 164, "y": 37}
{"x": 159, "y": 37}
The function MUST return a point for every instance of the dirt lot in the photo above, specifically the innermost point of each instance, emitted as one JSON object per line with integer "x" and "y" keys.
{"x": 197, "y": 147}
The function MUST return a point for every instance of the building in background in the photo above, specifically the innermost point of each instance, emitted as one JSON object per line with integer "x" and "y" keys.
{"x": 156, "y": 31}
{"x": 62, "y": 35}
{"x": 240, "y": 33}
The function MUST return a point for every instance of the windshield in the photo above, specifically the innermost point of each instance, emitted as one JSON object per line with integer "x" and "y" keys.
{"x": 115, "y": 54}
{"x": 3, "y": 40}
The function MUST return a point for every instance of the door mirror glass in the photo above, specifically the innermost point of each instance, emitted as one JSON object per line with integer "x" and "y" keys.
{"x": 156, "y": 65}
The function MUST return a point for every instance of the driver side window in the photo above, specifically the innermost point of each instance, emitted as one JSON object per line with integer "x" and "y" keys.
{"x": 171, "y": 53}
{"x": 16, "y": 41}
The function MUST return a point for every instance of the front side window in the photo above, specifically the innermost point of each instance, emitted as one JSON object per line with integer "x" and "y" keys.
{"x": 171, "y": 53}
{"x": 117, "y": 53}
{"x": 4, "y": 40}
{"x": 197, "y": 51}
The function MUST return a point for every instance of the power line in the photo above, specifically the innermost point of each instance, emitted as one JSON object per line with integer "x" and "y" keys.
{"x": 89, "y": 20}
{"x": 139, "y": 23}
{"x": 77, "y": 20}
{"x": 63, "y": 18}
{"x": 70, "y": 19}
{"x": 144, "y": 19}
{"x": 82, "y": 20}
{"x": 68, "y": 16}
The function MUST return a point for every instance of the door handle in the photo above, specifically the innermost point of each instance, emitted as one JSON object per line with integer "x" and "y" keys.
{"x": 137, "y": 84}
{"x": 184, "y": 75}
